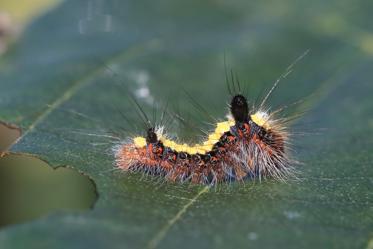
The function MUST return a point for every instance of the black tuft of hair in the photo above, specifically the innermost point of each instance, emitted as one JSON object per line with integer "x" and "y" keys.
{"x": 151, "y": 136}
{"x": 239, "y": 108}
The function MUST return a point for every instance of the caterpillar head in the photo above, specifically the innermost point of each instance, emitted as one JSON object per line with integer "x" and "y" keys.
{"x": 151, "y": 136}
{"x": 239, "y": 108}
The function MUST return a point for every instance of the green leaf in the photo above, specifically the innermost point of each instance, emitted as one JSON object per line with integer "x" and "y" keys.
{"x": 62, "y": 79}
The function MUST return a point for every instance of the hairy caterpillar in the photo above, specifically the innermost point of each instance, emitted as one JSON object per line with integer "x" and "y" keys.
{"x": 250, "y": 144}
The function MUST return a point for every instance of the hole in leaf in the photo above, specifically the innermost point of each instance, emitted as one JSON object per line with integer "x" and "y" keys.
{"x": 8, "y": 135}
{"x": 30, "y": 188}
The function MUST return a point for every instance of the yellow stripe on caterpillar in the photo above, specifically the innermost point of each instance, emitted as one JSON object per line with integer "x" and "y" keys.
{"x": 139, "y": 142}
{"x": 207, "y": 145}
{"x": 260, "y": 118}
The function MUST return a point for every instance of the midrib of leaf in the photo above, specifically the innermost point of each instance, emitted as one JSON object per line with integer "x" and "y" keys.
{"x": 158, "y": 237}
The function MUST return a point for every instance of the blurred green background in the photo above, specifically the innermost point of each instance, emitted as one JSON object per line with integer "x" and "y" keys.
{"x": 23, "y": 11}
{"x": 67, "y": 75}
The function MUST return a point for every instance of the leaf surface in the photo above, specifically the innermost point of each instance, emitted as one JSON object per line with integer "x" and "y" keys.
{"x": 73, "y": 68}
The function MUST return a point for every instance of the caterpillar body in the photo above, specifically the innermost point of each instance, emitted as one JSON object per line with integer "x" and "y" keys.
{"x": 249, "y": 144}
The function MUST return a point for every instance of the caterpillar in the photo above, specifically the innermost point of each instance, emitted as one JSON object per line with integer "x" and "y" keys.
{"x": 249, "y": 144}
